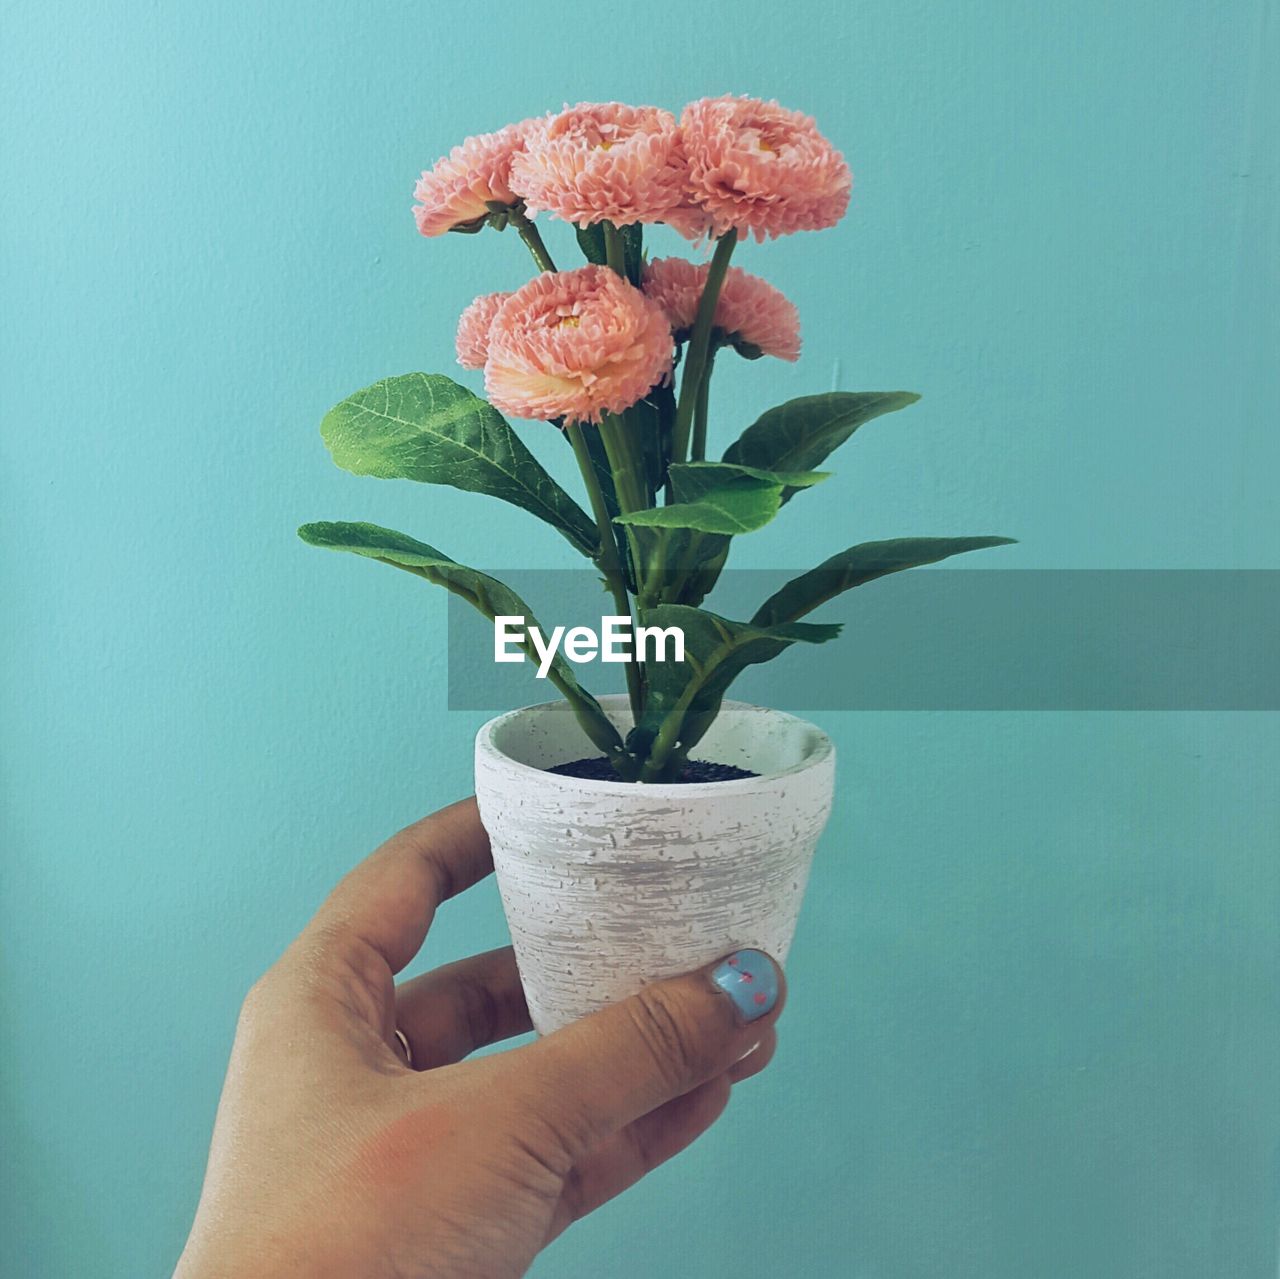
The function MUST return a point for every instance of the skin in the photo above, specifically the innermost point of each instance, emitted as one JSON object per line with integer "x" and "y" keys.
{"x": 332, "y": 1157}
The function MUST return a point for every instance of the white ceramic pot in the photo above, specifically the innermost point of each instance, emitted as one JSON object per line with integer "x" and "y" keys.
{"x": 609, "y": 885}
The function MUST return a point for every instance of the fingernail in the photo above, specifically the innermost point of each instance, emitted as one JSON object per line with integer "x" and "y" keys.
{"x": 749, "y": 978}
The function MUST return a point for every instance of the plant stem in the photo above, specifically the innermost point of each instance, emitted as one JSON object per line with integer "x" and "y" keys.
{"x": 630, "y": 480}
{"x": 529, "y": 234}
{"x": 607, "y": 559}
{"x": 615, "y": 253}
{"x": 698, "y": 450}
{"x": 631, "y": 487}
{"x": 624, "y": 763}
{"x": 593, "y": 721}
{"x": 629, "y": 475}
{"x": 668, "y": 737}
{"x": 675, "y": 763}
{"x": 695, "y": 359}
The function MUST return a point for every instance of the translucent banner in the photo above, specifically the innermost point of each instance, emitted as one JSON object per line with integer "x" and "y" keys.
{"x": 942, "y": 639}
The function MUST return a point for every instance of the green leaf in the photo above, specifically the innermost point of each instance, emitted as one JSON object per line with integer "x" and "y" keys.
{"x": 799, "y": 435}
{"x": 684, "y": 546}
{"x": 490, "y": 596}
{"x": 633, "y": 250}
{"x": 591, "y": 242}
{"x": 720, "y": 497}
{"x": 650, "y": 421}
{"x": 691, "y": 480}
{"x": 681, "y": 564}
{"x": 425, "y": 427}
{"x": 739, "y": 506}
{"x": 859, "y": 564}
{"x": 716, "y": 651}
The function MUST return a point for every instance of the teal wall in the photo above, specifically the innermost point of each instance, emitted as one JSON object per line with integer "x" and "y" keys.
{"x": 1035, "y": 1028}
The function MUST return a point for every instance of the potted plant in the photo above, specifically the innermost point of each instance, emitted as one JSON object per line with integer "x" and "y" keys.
{"x": 641, "y": 835}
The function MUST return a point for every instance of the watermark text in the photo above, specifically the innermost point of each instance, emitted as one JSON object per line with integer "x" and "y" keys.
{"x": 513, "y": 638}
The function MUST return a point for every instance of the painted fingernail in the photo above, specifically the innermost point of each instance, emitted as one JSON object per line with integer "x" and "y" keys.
{"x": 749, "y": 978}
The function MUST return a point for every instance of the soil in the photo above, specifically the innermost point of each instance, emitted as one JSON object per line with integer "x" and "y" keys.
{"x": 598, "y": 769}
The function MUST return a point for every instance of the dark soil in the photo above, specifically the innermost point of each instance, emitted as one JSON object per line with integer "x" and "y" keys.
{"x": 598, "y": 769}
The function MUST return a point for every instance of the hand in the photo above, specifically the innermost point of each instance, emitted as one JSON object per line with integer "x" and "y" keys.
{"x": 332, "y": 1157}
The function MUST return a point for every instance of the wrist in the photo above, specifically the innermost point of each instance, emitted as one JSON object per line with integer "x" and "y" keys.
{"x": 254, "y": 1259}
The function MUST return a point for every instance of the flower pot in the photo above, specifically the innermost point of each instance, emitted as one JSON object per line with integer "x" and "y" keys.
{"x": 609, "y": 885}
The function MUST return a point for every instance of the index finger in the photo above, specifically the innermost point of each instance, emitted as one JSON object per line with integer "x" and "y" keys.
{"x": 390, "y": 899}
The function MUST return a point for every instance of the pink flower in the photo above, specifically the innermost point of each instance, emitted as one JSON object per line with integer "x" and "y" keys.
{"x": 603, "y": 160}
{"x": 761, "y": 169}
{"x": 750, "y": 313}
{"x": 456, "y": 192}
{"x": 576, "y": 345}
{"x": 474, "y": 324}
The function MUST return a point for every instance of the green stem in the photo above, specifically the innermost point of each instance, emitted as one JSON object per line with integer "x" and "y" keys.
{"x": 607, "y": 559}
{"x": 586, "y": 711}
{"x": 675, "y": 763}
{"x": 629, "y": 475}
{"x": 631, "y": 486}
{"x": 604, "y": 738}
{"x": 695, "y": 359}
{"x": 698, "y": 451}
{"x": 668, "y": 737}
{"x": 529, "y": 234}
{"x": 615, "y": 252}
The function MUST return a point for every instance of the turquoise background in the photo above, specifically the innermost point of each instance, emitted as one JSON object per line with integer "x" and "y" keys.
{"x": 1034, "y": 1027}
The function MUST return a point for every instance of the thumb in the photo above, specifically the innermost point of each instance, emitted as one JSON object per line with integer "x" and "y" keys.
{"x": 592, "y": 1078}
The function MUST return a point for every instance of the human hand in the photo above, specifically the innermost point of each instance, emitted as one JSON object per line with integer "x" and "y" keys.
{"x": 331, "y": 1156}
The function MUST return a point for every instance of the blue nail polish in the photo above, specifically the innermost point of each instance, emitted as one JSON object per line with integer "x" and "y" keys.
{"x": 750, "y": 980}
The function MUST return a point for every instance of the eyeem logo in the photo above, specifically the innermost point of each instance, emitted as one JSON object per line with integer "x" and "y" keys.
{"x": 612, "y": 643}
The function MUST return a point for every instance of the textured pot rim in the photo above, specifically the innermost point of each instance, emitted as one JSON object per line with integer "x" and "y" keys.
{"x": 822, "y": 752}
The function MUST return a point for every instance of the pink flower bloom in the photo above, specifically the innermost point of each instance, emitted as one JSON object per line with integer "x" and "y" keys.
{"x": 576, "y": 345}
{"x": 457, "y": 190}
{"x": 750, "y": 312}
{"x": 474, "y": 324}
{"x": 603, "y": 160}
{"x": 761, "y": 169}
